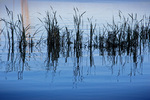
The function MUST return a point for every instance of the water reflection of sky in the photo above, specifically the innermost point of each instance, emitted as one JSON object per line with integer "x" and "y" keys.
{"x": 101, "y": 11}
{"x": 107, "y": 76}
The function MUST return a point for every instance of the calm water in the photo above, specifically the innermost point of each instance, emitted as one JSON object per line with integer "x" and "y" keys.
{"x": 94, "y": 75}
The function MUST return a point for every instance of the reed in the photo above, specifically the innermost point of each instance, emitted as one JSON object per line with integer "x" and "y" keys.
{"x": 10, "y": 27}
{"x": 52, "y": 28}
{"x": 92, "y": 30}
{"x": 78, "y": 22}
{"x": 66, "y": 37}
{"x": 102, "y": 38}
{"x": 22, "y": 32}
{"x": 68, "y": 40}
{"x": 125, "y": 35}
{"x": 16, "y": 31}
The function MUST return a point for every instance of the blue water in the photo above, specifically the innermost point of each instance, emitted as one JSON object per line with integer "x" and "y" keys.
{"x": 91, "y": 76}
{"x": 103, "y": 80}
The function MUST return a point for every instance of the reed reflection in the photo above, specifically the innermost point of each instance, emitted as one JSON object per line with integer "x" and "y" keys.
{"x": 77, "y": 69}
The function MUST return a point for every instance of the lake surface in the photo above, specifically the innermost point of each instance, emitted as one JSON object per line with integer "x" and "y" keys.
{"x": 61, "y": 74}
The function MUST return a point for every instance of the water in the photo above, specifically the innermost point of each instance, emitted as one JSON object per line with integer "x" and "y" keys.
{"x": 92, "y": 75}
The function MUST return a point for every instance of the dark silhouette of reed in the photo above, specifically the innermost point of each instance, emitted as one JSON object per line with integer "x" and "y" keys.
{"x": 128, "y": 36}
{"x": 78, "y": 21}
{"x": 53, "y": 38}
{"x": 10, "y": 26}
{"x": 52, "y": 28}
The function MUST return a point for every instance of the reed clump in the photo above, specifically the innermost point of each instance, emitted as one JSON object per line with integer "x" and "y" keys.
{"x": 53, "y": 38}
{"x": 16, "y": 32}
{"x": 126, "y": 35}
{"x": 52, "y": 28}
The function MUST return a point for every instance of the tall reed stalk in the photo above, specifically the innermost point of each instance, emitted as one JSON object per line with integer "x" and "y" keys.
{"x": 78, "y": 21}
{"x": 92, "y": 30}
